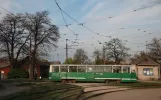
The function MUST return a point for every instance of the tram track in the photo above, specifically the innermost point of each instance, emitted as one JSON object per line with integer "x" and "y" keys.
{"x": 76, "y": 92}
{"x": 95, "y": 90}
{"x": 57, "y": 92}
{"x": 62, "y": 93}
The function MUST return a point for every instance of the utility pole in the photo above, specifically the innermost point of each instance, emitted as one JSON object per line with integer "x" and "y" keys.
{"x": 146, "y": 46}
{"x": 67, "y": 51}
{"x": 104, "y": 55}
{"x": 67, "y": 48}
{"x": 58, "y": 56}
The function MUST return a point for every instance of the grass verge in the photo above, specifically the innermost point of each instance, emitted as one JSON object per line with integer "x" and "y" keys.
{"x": 47, "y": 91}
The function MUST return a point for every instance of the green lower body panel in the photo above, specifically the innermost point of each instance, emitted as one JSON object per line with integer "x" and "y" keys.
{"x": 92, "y": 76}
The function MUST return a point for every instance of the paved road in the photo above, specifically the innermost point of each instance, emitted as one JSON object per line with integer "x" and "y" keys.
{"x": 138, "y": 94}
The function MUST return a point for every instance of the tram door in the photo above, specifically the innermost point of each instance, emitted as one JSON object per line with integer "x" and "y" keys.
{"x": 55, "y": 73}
{"x": 99, "y": 73}
{"x": 90, "y": 75}
{"x": 63, "y": 72}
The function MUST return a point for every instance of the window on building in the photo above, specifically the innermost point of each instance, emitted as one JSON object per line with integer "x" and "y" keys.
{"x": 63, "y": 68}
{"x": 148, "y": 71}
{"x": 81, "y": 68}
{"x": 158, "y": 72}
{"x": 107, "y": 68}
{"x": 72, "y": 68}
{"x": 98, "y": 68}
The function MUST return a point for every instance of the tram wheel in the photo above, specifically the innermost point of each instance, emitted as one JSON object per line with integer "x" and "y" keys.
{"x": 117, "y": 81}
{"x": 69, "y": 81}
{"x": 73, "y": 81}
{"x": 107, "y": 81}
{"x": 63, "y": 81}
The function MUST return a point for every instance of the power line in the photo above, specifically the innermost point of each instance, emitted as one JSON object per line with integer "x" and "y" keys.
{"x": 71, "y": 30}
{"x": 7, "y": 11}
{"x": 82, "y": 24}
{"x": 109, "y": 17}
{"x": 64, "y": 18}
{"x": 61, "y": 13}
{"x": 146, "y": 7}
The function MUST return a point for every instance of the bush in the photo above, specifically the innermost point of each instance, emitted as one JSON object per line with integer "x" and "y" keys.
{"x": 18, "y": 73}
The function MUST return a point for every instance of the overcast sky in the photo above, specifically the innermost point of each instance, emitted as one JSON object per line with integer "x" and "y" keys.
{"x": 115, "y": 18}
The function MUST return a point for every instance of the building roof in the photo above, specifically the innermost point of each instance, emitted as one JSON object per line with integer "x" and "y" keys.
{"x": 23, "y": 62}
{"x": 26, "y": 62}
{"x": 3, "y": 65}
{"x": 145, "y": 60}
{"x": 55, "y": 62}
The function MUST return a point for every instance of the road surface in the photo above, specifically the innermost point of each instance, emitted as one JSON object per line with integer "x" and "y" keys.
{"x": 137, "y": 94}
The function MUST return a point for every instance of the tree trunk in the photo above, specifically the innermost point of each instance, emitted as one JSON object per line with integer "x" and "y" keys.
{"x": 32, "y": 66}
{"x": 31, "y": 72}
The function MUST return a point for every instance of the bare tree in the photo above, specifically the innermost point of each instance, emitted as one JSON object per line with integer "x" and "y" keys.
{"x": 13, "y": 37}
{"x": 142, "y": 54}
{"x": 97, "y": 55}
{"x": 80, "y": 56}
{"x": 116, "y": 50}
{"x": 43, "y": 35}
{"x": 155, "y": 49}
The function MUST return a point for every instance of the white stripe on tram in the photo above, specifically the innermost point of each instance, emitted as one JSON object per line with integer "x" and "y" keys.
{"x": 118, "y": 78}
{"x": 73, "y": 78}
{"x": 128, "y": 79}
{"x": 107, "y": 78}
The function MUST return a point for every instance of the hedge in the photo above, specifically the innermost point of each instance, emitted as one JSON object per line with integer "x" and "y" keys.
{"x": 18, "y": 73}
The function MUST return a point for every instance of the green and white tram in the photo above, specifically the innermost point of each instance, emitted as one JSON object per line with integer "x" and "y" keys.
{"x": 91, "y": 73}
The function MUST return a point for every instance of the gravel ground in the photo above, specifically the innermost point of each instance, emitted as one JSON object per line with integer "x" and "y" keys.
{"x": 137, "y": 94}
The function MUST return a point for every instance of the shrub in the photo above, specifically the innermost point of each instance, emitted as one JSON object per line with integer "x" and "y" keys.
{"x": 18, "y": 73}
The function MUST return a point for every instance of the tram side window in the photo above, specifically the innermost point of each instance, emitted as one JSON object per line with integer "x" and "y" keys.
{"x": 108, "y": 69}
{"x": 98, "y": 68}
{"x": 81, "y": 68}
{"x": 90, "y": 68}
{"x": 72, "y": 68}
{"x": 116, "y": 69}
{"x": 126, "y": 69}
{"x": 63, "y": 68}
{"x": 55, "y": 69}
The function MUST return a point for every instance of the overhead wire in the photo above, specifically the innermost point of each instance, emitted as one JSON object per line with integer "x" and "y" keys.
{"x": 109, "y": 17}
{"x": 64, "y": 18}
{"x": 66, "y": 24}
{"x": 146, "y": 7}
{"x": 7, "y": 11}
{"x": 82, "y": 24}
